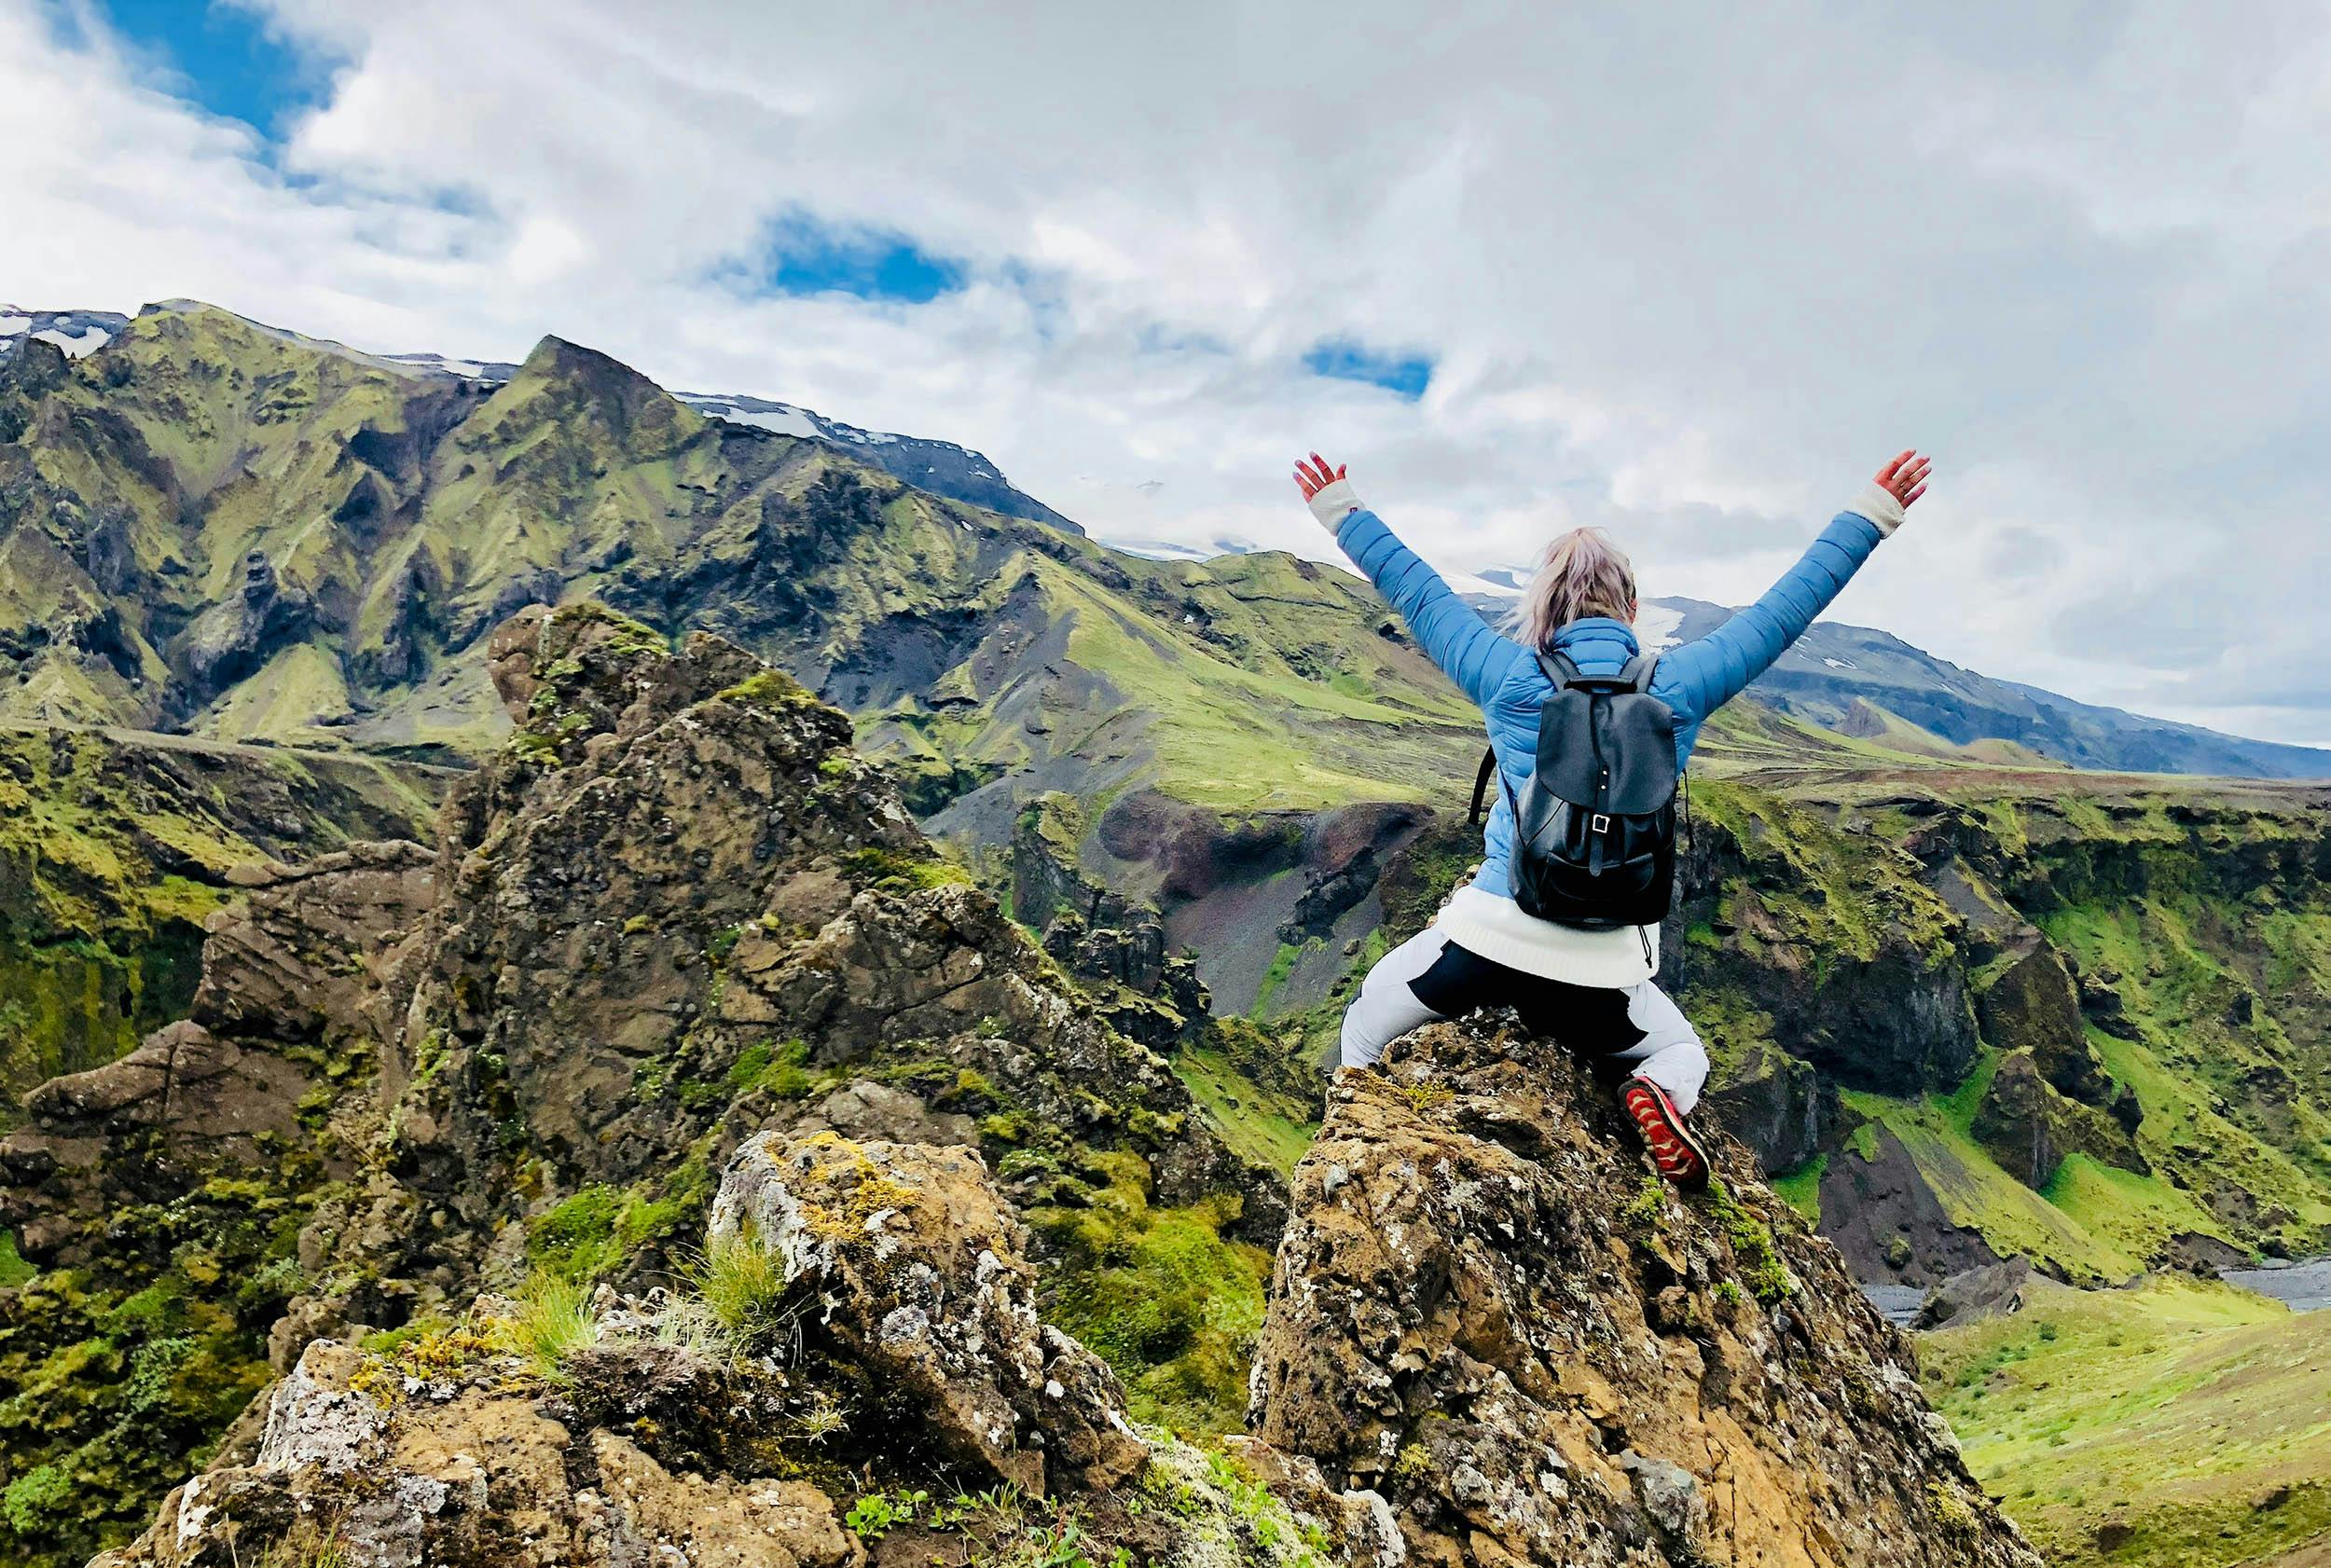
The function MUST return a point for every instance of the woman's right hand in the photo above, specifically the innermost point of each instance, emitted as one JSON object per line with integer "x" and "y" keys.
{"x": 1326, "y": 491}
{"x": 1315, "y": 474}
{"x": 1905, "y": 477}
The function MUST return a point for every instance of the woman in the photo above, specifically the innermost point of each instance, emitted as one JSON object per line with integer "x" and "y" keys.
{"x": 1592, "y": 990}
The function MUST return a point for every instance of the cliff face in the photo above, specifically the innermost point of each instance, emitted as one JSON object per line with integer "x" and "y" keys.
{"x": 1967, "y": 1018}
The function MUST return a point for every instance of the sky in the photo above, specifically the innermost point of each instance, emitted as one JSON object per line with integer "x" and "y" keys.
{"x": 1687, "y": 272}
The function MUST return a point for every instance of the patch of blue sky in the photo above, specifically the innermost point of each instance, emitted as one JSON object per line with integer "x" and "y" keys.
{"x": 803, "y": 255}
{"x": 222, "y": 57}
{"x": 1342, "y": 359}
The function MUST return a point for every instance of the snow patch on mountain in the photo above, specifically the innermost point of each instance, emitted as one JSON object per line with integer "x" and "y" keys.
{"x": 78, "y": 332}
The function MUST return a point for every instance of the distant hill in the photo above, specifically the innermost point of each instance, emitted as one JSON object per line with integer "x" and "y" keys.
{"x": 1837, "y": 675}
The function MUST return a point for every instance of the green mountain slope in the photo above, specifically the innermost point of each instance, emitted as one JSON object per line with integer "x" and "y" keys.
{"x": 114, "y": 850}
{"x": 2177, "y": 1425}
{"x": 216, "y": 527}
{"x": 258, "y": 537}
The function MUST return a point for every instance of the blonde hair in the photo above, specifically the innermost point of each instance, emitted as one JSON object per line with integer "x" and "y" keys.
{"x": 1581, "y": 574}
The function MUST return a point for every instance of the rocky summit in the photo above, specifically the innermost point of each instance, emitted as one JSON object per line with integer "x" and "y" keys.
{"x": 680, "y": 1162}
{"x": 1488, "y": 1314}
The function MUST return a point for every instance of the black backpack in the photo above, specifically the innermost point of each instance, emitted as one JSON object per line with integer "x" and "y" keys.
{"x": 1594, "y": 831}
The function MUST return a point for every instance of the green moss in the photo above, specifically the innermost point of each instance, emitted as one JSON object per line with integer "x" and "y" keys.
{"x": 1268, "y": 1126}
{"x": 598, "y": 1232}
{"x": 780, "y": 1067}
{"x": 1171, "y": 1303}
{"x": 772, "y": 688}
{"x": 13, "y": 1269}
{"x": 896, "y": 872}
{"x": 1753, "y": 1252}
{"x": 1801, "y": 1189}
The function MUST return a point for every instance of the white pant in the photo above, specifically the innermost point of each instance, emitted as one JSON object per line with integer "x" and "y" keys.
{"x": 1649, "y": 1032}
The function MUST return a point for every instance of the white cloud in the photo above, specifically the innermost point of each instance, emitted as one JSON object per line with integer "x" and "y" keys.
{"x": 1689, "y": 272}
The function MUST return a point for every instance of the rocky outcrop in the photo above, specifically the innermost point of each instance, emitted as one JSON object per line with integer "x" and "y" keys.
{"x": 385, "y": 1461}
{"x": 1779, "y": 1106}
{"x": 112, "y": 852}
{"x": 217, "y": 1095}
{"x": 1487, "y": 1312}
{"x": 924, "y": 1285}
{"x": 630, "y": 1431}
{"x": 1883, "y": 1216}
{"x": 1115, "y": 945}
{"x": 678, "y": 912}
{"x": 2029, "y": 1127}
{"x": 1994, "y": 1290}
{"x": 238, "y": 634}
{"x": 2033, "y": 1005}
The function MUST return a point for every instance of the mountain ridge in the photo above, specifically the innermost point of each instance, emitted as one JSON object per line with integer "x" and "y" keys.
{"x": 1821, "y": 679}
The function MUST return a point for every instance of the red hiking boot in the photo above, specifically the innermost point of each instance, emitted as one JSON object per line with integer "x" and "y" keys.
{"x": 1680, "y": 1157}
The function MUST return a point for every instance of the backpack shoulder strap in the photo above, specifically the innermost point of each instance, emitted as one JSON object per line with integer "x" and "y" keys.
{"x": 1636, "y": 677}
{"x": 1559, "y": 668}
{"x": 1481, "y": 786}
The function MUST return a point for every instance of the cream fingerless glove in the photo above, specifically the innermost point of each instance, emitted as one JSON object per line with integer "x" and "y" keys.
{"x": 1336, "y": 502}
{"x": 1876, "y": 503}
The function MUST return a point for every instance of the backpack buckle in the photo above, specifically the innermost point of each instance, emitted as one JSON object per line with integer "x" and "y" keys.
{"x": 1600, "y": 823}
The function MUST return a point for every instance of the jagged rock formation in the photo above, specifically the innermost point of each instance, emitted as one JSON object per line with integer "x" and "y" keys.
{"x": 678, "y": 910}
{"x": 925, "y": 1288}
{"x": 651, "y": 1432}
{"x": 1487, "y": 1344}
{"x": 1485, "y": 1312}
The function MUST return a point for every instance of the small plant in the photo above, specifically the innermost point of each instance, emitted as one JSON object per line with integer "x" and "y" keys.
{"x": 554, "y": 1321}
{"x": 688, "y": 1323}
{"x": 1062, "y": 1545}
{"x": 1427, "y": 1094}
{"x": 1647, "y": 1209}
{"x": 876, "y": 1515}
{"x": 1730, "y": 1293}
{"x": 821, "y": 1421}
{"x": 306, "y": 1545}
{"x": 743, "y": 1282}
{"x": 1762, "y": 1268}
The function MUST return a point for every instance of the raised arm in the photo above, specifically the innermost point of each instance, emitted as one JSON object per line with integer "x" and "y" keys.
{"x": 1703, "y": 675}
{"x": 1451, "y": 635}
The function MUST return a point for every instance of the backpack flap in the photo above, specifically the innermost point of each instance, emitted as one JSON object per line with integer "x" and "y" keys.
{"x": 1594, "y": 827}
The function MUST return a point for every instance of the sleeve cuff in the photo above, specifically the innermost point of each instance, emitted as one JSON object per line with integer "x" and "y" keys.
{"x": 1335, "y": 503}
{"x": 1876, "y": 503}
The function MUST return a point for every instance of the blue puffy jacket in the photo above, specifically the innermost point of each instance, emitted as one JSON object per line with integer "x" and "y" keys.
{"x": 1503, "y": 677}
